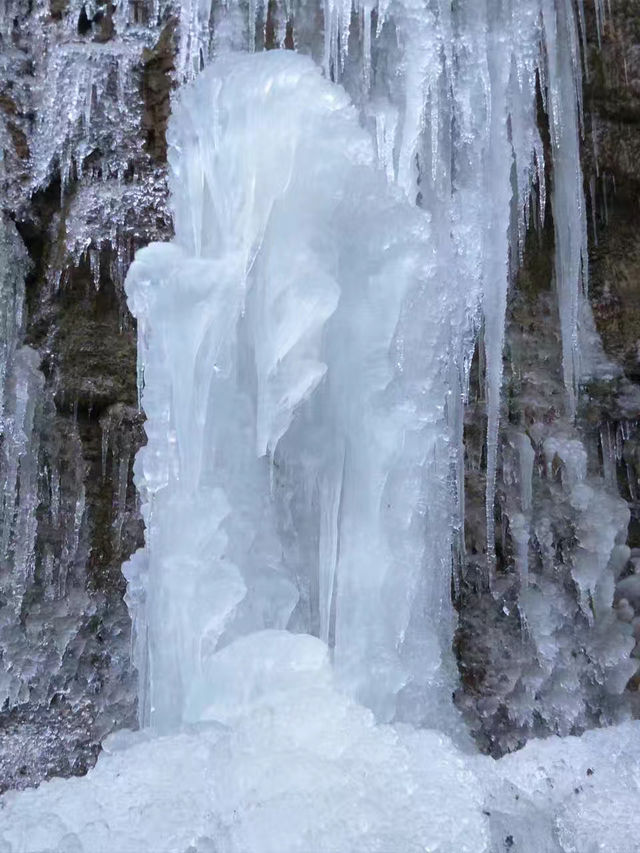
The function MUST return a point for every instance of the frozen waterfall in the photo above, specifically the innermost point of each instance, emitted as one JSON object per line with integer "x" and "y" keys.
{"x": 296, "y": 347}
{"x": 305, "y": 342}
{"x": 348, "y": 216}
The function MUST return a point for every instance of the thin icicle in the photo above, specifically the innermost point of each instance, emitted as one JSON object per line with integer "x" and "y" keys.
{"x": 106, "y": 428}
{"x": 568, "y": 195}
{"x": 330, "y": 497}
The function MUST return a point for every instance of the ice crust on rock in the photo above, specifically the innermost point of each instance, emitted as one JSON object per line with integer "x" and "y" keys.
{"x": 569, "y": 795}
{"x": 570, "y": 640}
{"x": 20, "y": 390}
{"x": 47, "y": 683}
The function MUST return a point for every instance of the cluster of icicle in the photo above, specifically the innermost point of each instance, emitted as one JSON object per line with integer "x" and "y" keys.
{"x": 84, "y": 92}
{"x": 73, "y": 99}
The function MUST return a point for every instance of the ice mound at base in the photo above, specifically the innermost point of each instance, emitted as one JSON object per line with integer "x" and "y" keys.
{"x": 569, "y": 795}
{"x": 283, "y": 763}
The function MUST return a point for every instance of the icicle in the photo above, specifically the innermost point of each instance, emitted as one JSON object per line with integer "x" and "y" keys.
{"x": 72, "y": 541}
{"x": 519, "y": 529}
{"x": 609, "y": 461}
{"x": 573, "y": 457}
{"x": 330, "y": 497}
{"x": 386, "y": 124}
{"x": 139, "y": 383}
{"x": 520, "y": 522}
{"x": 583, "y": 30}
{"x": 568, "y": 197}
{"x": 20, "y": 463}
{"x": 526, "y": 458}
{"x": 120, "y": 496}
{"x": 366, "y": 13}
{"x": 592, "y": 195}
{"x": 54, "y": 502}
{"x": 455, "y": 417}
{"x": 106, "y": 427}
{"x": 94, "y": 263}
{"x": 337, "y": 16}
{"x": 496, "y": 271}
{"x": 599, "y": 12}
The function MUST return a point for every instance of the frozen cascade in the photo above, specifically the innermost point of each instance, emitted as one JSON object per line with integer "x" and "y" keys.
{"x": 465, "y": 132}
{"x": 304, "y": 349}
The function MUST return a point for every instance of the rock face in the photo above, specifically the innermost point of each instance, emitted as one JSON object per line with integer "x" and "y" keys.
{"x": 82, "y": 130}
{"x": 535, "y": 655}
{"x": 82, "y": 186}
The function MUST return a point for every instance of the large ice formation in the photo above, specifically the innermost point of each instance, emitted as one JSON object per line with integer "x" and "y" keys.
{"x": 305, "y": 344}
{"x": 301, "y": 295}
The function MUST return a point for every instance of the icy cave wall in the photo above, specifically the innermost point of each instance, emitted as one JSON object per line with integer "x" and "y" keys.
{"x": 84, "y": 99}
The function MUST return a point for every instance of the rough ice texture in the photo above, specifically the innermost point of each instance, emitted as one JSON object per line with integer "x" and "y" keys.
{"x": 570, "y": 794}
{"x": 290, "y": 765}
{"x": 298, "y": 447}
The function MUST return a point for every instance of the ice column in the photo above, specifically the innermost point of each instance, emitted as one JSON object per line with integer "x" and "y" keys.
{"x": 564, "y": 107}
{"x": 291, "y": 340}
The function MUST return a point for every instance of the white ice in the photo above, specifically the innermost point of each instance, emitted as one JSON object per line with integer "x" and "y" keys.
{"x": 283, "y": 762}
